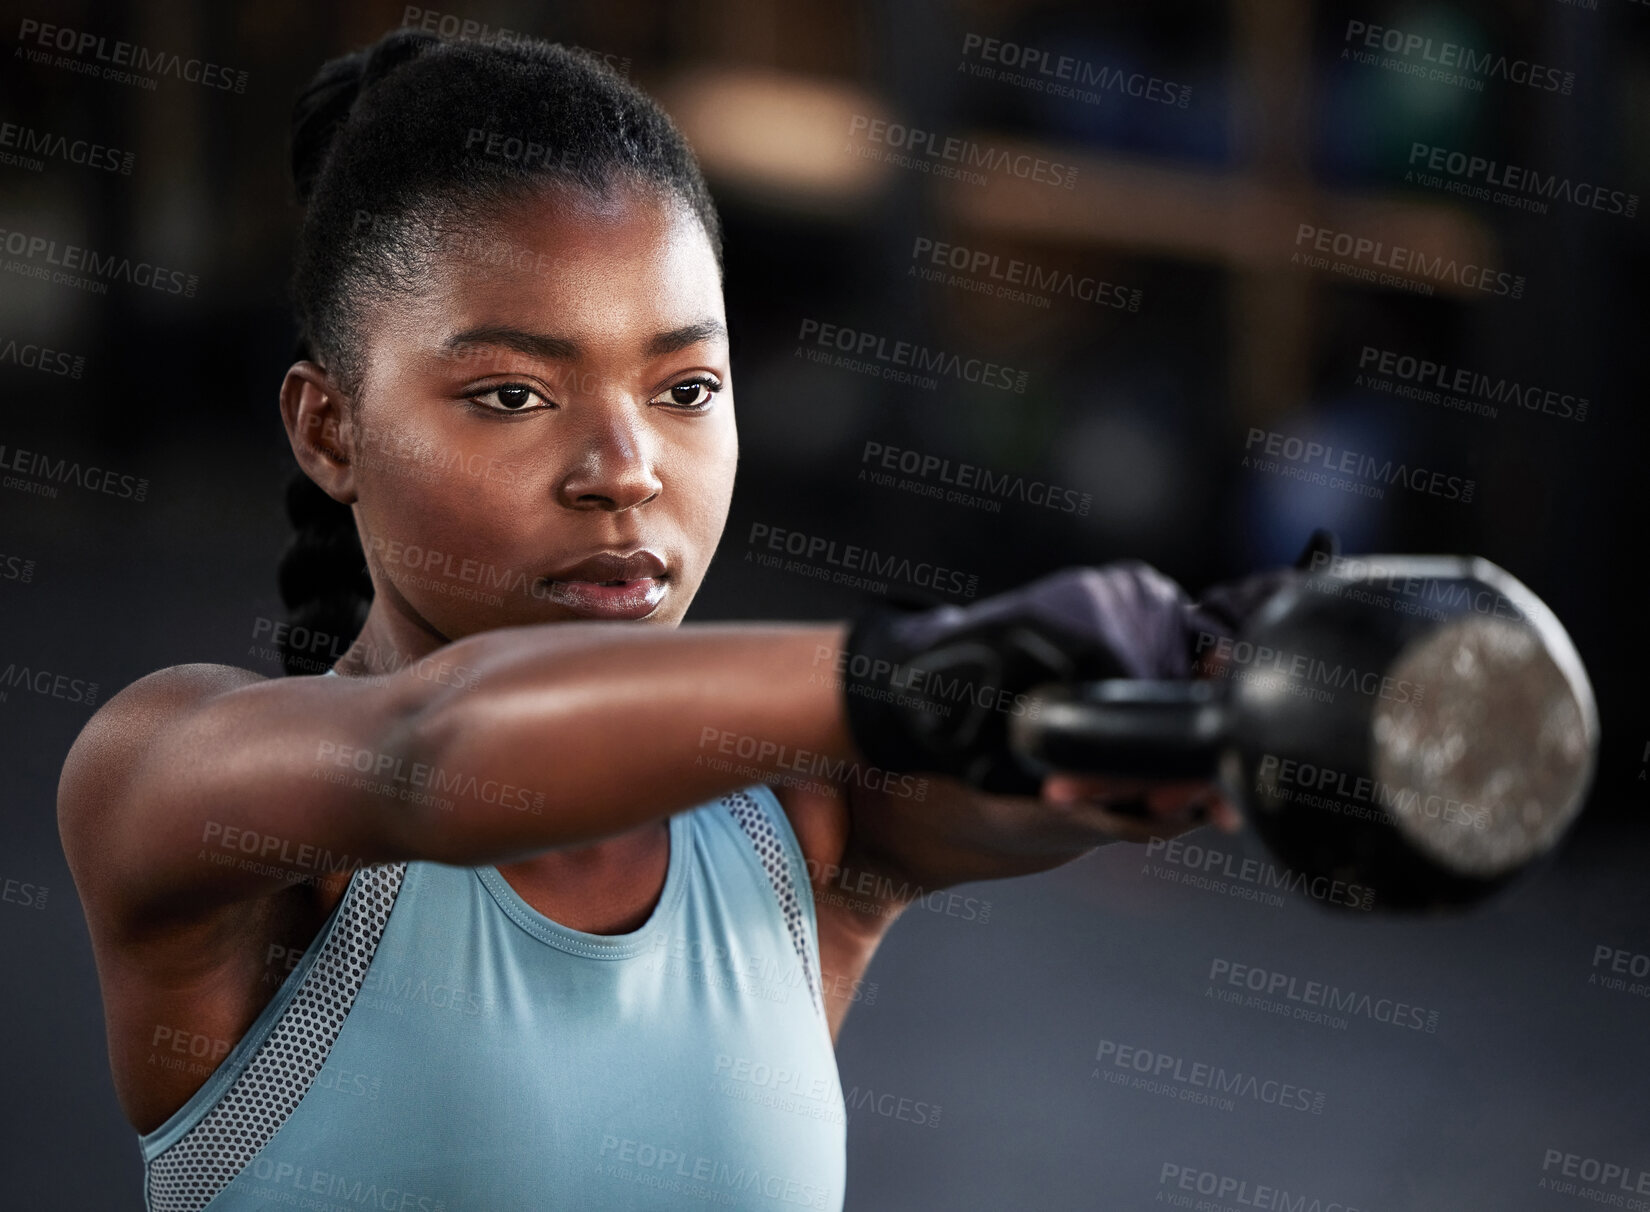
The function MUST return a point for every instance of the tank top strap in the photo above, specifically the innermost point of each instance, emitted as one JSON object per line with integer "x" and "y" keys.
{"x": 758, "y": 813}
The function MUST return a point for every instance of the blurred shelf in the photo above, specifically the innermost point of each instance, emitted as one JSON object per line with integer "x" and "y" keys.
{"x": 1234, "y": 220}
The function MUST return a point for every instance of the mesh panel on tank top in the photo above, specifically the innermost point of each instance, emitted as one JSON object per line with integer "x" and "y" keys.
{"x": 760, "y": 829}
{"x": 205, "y": 1159}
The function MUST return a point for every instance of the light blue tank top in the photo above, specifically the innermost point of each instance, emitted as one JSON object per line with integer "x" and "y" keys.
{"x": 444, "y": 1047}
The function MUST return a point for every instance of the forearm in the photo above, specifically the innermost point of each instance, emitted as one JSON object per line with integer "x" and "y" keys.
{"x": 578, "y": 731}
{"x": 959, "y": 834}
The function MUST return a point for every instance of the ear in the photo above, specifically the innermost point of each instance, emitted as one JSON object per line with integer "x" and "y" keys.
{"x": 313, "y": 409}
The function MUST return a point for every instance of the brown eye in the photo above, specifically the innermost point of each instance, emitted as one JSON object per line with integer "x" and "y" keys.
{"x": 510, "y": 397}
{"x": 695, "y": 395}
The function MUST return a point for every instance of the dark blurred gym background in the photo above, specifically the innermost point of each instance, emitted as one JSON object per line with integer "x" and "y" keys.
{"x": 1145, "y": 400}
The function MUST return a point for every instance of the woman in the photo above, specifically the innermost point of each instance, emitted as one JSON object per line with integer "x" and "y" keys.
{"x": 482, "y": 918}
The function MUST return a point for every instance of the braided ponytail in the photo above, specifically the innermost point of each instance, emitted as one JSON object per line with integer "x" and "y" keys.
{"x": 322, "y": 574}
{"x": 323, "y": 579}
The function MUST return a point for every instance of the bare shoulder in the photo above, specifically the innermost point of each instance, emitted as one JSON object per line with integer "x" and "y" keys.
{"x": 121, "y": 730}
{"x": 147, "y": 703}
{"x": 100, "y": 765}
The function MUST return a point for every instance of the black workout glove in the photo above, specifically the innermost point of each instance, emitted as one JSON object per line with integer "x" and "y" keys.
{"x": 1224, "y": 609}
{"x": 933, "y": 689}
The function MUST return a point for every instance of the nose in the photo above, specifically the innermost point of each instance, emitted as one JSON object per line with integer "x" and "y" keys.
{"x": 611, "y": 465}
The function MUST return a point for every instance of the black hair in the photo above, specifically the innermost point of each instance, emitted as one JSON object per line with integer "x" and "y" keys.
{"x": 399, "y": 152}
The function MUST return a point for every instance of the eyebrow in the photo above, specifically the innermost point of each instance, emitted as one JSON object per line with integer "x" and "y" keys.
{"x": 565, "y": 349}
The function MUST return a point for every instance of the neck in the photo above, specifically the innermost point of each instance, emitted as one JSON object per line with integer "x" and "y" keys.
{"x": 394, "y": 635}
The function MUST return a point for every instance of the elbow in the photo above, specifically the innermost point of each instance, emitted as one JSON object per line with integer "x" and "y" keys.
{"x": 459, "y": 759}
{"x": 413, "y": 788}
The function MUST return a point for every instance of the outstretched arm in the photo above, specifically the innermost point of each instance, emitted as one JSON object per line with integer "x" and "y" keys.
{"x": 562, "y": 734}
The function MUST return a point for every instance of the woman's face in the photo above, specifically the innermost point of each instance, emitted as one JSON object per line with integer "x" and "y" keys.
{"x": 559, "y": 392}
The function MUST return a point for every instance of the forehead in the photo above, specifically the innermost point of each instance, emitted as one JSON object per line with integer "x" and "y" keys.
{"x": 610, "y": 269}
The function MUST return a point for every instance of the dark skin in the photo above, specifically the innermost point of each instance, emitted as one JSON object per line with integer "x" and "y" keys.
{"x": 617, "y": 434}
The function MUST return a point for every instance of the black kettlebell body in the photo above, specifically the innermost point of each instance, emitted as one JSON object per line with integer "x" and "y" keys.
{"x": 1419, "y": 725}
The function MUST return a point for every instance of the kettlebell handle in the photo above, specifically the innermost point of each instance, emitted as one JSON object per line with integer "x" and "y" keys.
{"x": 1127, "y": 728}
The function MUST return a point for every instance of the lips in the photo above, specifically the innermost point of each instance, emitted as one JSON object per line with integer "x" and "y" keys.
{"x": 608, "y": 585}
{"x": 610, "y": 566}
